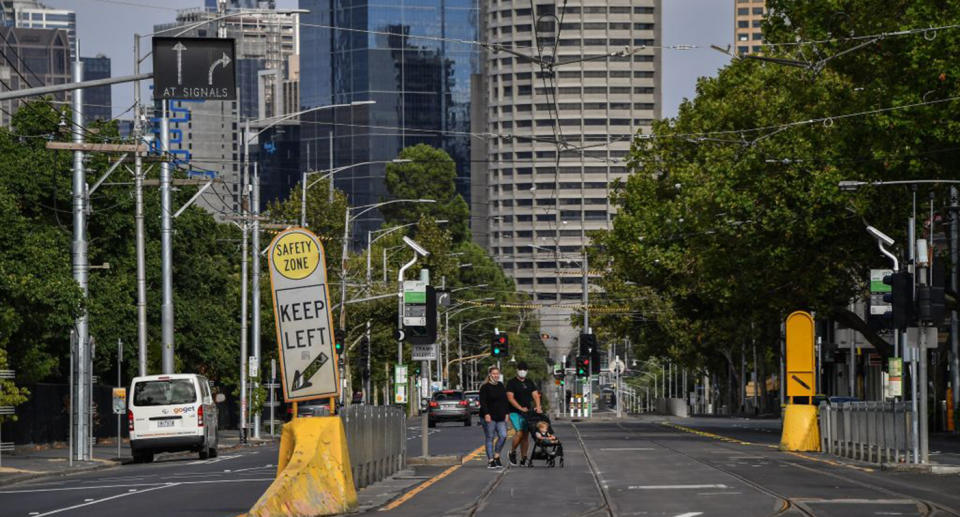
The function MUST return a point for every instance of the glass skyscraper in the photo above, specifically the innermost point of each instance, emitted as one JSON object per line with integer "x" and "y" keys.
{"x": 401, "y": 55}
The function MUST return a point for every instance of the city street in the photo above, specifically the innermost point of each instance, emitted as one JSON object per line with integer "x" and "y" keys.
{"x": 639, "y": 466}
{"x": 642, "y": 466}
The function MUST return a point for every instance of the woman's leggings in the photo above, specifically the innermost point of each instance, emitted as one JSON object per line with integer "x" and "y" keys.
{"x": 493, "y": 431}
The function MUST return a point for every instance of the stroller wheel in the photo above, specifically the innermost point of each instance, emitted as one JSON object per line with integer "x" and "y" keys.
{"x": 561, "y": 462}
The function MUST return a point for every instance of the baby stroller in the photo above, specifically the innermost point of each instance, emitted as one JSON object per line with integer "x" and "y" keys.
{"x": 550, "y": 452}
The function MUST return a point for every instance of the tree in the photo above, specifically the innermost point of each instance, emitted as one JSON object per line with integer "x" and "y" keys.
{"x": 732, "y": 216}
{"x": 430, "y": 174}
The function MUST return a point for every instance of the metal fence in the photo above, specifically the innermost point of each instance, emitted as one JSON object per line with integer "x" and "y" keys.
{"x": 876, "y": 432}
{"x": 376, "y": 436}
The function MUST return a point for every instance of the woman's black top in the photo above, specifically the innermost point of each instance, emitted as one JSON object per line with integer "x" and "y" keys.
{"x": 493, "y": 401}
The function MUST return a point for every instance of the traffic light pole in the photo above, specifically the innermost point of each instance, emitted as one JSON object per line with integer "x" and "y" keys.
{"x": 954, "y": 322}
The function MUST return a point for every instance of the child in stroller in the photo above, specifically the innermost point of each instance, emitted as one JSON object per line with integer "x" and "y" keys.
{"x": 546, "y": 445}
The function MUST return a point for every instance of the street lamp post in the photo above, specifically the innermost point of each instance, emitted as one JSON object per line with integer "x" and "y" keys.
{"x": 346, "y": 246}
{"x": 328, "y": 173}
{"x": 252, "y": 225}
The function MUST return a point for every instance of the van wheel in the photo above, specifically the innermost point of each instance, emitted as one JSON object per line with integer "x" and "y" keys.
{"x": 467, "y": 422}
{"x": 204, "y": 452}
{"x": 143, "y": 456}
{"x": 213, "y": 452}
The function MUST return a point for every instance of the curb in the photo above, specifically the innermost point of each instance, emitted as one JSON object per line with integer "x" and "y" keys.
{"x": 15, "y": 478}
{"x": 435, "y": 461}
{"x": 921, "y": 469}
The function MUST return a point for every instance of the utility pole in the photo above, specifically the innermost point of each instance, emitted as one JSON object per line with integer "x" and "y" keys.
{"x": 81, "y": 270}
{"x": 244, "y": 253}
{"x": 138, "y": 217}
{"x": 330, "y": 180}
{"x": 166, "y": 243}
{"x": 255, "y": 290}
{"x": 954, "y": 321}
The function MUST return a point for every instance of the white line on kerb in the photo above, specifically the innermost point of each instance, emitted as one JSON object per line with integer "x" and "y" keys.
{"x": 674, "y": 487}
{"x": 690, "y": 514}
{"x": 125, "y": 494}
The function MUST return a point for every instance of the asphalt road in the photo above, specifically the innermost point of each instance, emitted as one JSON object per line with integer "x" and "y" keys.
{"x": 172, "y": 485}
{"x": 639, "y": 466}
{"x": 643, "y": 467}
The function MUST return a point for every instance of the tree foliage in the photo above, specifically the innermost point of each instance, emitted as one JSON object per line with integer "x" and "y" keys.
{"x": 732, "y": 216}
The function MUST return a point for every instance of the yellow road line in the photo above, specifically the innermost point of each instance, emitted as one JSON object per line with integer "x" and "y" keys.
{"x": 426, "y": 484}
{"x": 741, "y": 442}
{"x": 714, "y": 436}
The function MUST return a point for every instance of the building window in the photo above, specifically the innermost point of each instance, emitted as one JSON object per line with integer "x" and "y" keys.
{"x": 758, "y": 10}
{"x": 743, "y": 24}
{"x": 743, "y": 11}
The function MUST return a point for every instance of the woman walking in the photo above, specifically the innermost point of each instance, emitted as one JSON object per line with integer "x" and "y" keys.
{"x": 493, "y": 410}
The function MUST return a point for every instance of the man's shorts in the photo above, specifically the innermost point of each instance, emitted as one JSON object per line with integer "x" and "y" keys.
{"x": 518, "y": 422}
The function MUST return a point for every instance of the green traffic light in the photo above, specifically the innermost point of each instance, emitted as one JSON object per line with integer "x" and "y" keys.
{"x": 496, "y": 351}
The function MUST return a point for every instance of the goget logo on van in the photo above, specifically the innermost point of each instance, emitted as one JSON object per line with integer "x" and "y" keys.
{"x": 179, "y": 410}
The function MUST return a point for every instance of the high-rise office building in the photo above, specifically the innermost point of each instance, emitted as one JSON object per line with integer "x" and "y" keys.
{"x": 561, "y": 137}
{"x": 31, "y": 14}
{"x": 97, "y": 102}
{"x": 33, "y": 57}
{"x": 205, "y": 136}
{"x": 413, "y": 59}
{"x": 748, "y": 20}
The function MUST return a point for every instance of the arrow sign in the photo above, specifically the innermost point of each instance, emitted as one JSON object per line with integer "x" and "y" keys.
{"x": 194, "y": 69}
{"x": 301, "y": 308}
{"x": 223, "y": 61}
{"x": 179, "y": 48}
{"x": 301, "y": 381}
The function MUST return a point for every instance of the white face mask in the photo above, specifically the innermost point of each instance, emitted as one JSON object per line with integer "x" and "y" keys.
{"x": 522, "y": 374}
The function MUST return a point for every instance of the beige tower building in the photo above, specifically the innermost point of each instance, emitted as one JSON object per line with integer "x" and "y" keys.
{"x": 748, "y": 19}
{"x": 560, "y": 139}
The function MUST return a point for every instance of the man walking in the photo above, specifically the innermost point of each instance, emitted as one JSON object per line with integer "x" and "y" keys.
{"x": 522, "y": 394}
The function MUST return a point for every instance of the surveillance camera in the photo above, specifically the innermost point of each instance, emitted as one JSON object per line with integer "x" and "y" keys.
{"x": 416, "y": 247}
{"x": 880, "y": 235}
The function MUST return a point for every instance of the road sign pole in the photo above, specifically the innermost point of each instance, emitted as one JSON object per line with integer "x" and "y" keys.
{"x": 424, "y": 418}
{"x": 244, "y": 272}
{"x": 166, "y": 243}
{"x": 119, "y": 385}
{"x": 255, "y": 289}
{"x": 138, "y": 216}
{"x": 80, "y": 269}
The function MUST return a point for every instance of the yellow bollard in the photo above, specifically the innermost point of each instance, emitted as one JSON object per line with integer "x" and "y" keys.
{"x": 313, "y": 471}
{"x": 801, "y": 431}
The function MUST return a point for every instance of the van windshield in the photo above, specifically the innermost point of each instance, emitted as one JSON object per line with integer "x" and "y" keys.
{"x": 164, "y": 393}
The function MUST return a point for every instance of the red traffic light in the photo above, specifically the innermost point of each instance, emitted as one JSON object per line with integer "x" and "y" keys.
{"x": 502, "y": 340}
{"x": 586, "y": 361}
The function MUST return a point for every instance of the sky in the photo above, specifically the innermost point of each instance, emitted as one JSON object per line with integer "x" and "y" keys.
{"x": 107, "y": 27}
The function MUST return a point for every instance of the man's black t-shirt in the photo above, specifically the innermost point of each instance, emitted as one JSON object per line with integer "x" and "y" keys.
{"x": 522, "y": 393}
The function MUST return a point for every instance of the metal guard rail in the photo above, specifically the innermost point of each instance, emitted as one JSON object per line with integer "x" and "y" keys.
{"x": 874, "y": 432}
{"x": 376, "y": 436}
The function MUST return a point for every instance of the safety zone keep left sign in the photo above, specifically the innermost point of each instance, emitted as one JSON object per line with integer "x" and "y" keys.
{"x": 301, "y": 309}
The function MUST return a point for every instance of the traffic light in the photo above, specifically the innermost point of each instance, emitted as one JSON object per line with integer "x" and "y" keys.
{"x": 420, "y": 306}
{"x": 900, "y": 298}
{"x": 338, "y": 341}
{"x": 500, "y": 347}
{"x": 595, "y": 362}
{"x": 588, "y": 342}
{"x": 583, "y": 366}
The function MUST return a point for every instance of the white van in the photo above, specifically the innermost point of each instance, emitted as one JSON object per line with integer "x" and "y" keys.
{"x": 169, "y": 413}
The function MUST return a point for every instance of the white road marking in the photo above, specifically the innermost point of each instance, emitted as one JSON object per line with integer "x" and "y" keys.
{"x": 96, "y": 501}
{"x": 214, "y": 460}
{"x": 154, "y": 485}
{"x": 690, "y": 514}
{"x": 675, "y": 487}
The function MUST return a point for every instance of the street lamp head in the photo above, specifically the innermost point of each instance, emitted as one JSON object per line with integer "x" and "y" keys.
{"x": 362, "y": 103}
{"x": 850, "y": 185}
{"x": 415, "y": 246}
{"x": 880, "y": 236}
{"x": 426, "y": 201}
{"x": 400, "y": 160}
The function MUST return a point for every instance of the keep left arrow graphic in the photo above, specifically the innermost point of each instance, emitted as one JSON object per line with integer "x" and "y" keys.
{"x": 179, "y": 48}
{"x": 223, "y": 61}
{"x": 302, "y": 380}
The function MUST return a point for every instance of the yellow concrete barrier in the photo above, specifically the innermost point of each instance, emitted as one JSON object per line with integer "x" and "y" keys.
{"x": 801, "y": 432}
{"x": 313, "y": 471}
